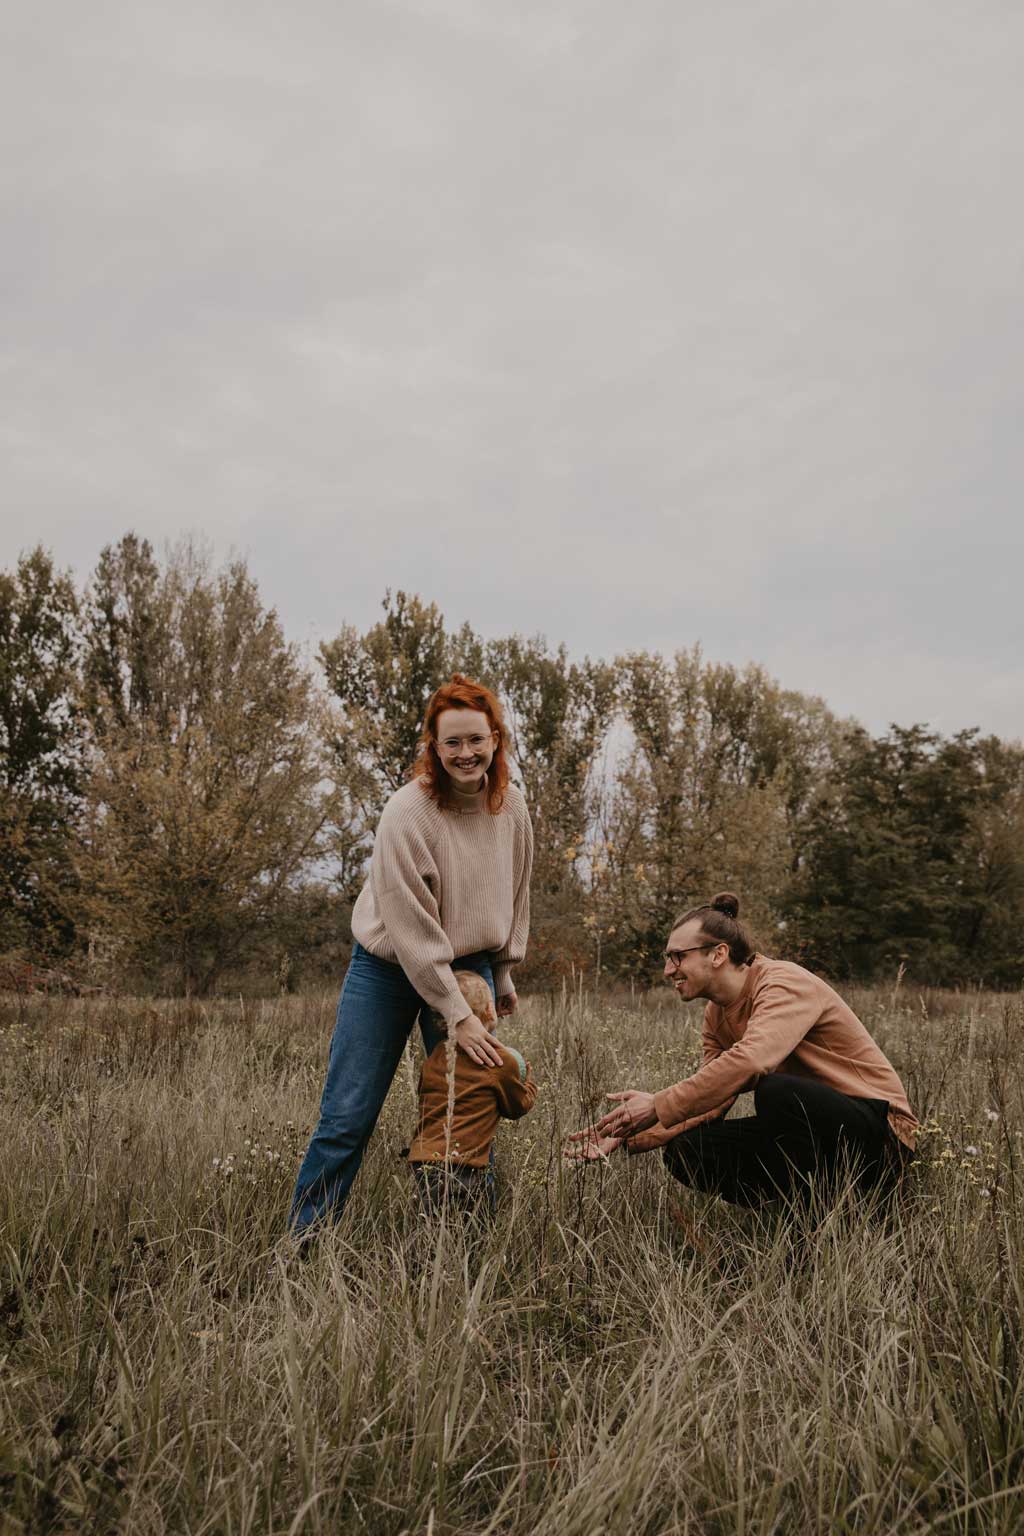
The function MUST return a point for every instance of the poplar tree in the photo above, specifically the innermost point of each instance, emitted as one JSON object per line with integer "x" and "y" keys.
{"x": 711, "y": 785}
{"x": 40, "y": 754}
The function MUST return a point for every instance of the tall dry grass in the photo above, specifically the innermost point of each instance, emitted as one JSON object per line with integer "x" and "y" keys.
{"x": 616, "y": 1356}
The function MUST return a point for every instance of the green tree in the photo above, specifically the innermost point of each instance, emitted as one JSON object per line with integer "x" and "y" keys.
{"x": 559, "y": 714}
{"x": 204, "y": 803}
{"x": 379, "y": 683}
{"x": 990, "y": 916}
{"x": 710, "y": 790}
{"x": 905, "y": 851}
{"x": 40, "y": 752}
{"x": 383, "y": 680}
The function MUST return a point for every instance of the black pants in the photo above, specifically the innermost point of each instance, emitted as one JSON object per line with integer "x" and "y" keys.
{"x": 800, "y": 1130}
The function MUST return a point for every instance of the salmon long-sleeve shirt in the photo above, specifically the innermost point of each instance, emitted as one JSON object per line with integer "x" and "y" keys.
{"x": 786, "y": 1019}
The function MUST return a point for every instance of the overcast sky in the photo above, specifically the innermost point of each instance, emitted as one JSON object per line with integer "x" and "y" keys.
{"x": 634, "y": 326}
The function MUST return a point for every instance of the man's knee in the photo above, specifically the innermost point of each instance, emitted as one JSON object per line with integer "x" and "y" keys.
{"x": 699, "y": 1159}
{"x": 779, "y": 1097}
{"x": 695, "y": 1158}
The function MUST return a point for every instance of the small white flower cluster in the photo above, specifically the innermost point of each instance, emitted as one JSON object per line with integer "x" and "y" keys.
{"x": 257, "y": 1156}
{"x": 978, "y": 1165}
{"x": 269, "y": 1150}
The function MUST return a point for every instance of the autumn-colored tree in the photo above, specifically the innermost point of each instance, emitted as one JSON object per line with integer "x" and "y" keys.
{"x": 204, "y": 800}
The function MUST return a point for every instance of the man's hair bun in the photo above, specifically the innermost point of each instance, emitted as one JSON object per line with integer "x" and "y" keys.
{"x": 719, "y": 920}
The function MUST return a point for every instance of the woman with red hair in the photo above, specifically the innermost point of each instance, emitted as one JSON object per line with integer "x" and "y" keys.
{"x": 448, "y": 889}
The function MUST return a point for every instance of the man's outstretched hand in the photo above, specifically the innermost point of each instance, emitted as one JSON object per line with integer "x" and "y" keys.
{"x": 635, "y": 1112}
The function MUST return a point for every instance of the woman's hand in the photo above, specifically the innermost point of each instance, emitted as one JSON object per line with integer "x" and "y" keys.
{"x": 506, "y": 1004}
{"x": 635, "y": 1113}
{"x": 587, "y": 1146}
{"x": 477, "y": 1041}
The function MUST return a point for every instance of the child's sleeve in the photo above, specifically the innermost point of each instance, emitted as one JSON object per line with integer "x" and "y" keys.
{"x": 514, "y": 1086}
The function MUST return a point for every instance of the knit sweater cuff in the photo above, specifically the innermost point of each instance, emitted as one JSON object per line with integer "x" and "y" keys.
{"x": 666, "y": 1105}
{"x": 503, "y": 983}
{"x": 457, "y": 1011}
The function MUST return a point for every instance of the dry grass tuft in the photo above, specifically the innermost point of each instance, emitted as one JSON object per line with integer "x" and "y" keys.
{"x": 618, "y": 1356}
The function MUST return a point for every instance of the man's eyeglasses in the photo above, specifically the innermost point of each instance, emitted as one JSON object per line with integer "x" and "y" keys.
{"x": 673, "y": 956}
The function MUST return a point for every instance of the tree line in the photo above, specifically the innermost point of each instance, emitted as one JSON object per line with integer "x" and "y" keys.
{"x": 187, "y": 803}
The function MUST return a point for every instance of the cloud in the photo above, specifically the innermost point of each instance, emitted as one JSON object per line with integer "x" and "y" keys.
{"x": 702, "y": 323}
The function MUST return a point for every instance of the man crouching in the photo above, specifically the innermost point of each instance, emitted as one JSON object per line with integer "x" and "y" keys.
{"x": 826, "y": 1097}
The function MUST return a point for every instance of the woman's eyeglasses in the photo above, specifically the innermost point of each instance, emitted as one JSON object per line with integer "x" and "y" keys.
{"x": 474, "y": 743}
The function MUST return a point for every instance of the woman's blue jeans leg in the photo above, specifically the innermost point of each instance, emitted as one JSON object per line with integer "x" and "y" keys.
{"x": 376, "y": 1012}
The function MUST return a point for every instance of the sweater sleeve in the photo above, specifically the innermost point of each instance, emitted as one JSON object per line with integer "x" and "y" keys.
{"x": 781, "y": 1016}
{"x": 658, "y": 1135}
{"x": 515, "y": 949}
{"x": 515, "y": 1086}
{"x": 405, "y": 877}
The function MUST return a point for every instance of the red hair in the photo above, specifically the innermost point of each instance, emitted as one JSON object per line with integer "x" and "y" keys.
{"x": 461, "y": 693}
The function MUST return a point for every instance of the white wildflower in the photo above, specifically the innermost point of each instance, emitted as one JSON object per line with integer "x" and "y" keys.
{"x": 972, "y": 1151}
{"x": 990, "y": 1114}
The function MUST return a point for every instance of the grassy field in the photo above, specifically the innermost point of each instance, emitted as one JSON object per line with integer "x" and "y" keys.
{"x": 619, "y": 1357}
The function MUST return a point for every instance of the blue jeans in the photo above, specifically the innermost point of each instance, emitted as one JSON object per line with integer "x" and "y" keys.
{"x": 376, "y": 1012}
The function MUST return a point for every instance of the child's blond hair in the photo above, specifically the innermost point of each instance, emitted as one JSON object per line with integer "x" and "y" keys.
{"x": 477, "y": 994}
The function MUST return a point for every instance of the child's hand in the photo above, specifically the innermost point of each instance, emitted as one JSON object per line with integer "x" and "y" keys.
{"x": 477, "y": 1041}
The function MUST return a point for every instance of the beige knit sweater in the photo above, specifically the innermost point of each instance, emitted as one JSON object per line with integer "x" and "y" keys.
{"x": 446, "y": 883}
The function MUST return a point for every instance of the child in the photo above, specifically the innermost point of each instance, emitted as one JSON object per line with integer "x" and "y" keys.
{"x": 459, "y": 1110}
